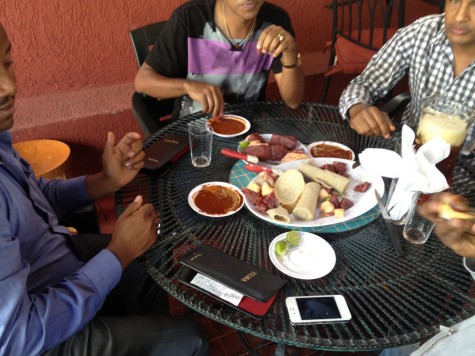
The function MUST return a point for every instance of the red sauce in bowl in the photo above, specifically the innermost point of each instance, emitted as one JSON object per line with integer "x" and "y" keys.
{"x": 324, "y": 150}
{"x": 217, "y": 200}
{"x": 228, "y": 125}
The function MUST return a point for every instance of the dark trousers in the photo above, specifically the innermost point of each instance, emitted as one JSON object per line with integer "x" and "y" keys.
{"x": 133, "y": 319}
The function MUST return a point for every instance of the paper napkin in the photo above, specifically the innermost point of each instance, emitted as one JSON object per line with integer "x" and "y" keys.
{"x": 416, "y": 171}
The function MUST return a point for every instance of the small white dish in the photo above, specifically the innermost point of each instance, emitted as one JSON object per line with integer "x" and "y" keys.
{"x": 194, "y": 192}
{"x": 334, "y": 144}
{"x": 247, "y": 125}
{"x": 313, "y": 258}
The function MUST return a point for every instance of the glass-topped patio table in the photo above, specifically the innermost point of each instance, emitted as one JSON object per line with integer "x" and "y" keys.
{"x": 393, "y": 300}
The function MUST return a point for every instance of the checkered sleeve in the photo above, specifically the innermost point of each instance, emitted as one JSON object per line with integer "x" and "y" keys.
{"x": 383, "y": 71}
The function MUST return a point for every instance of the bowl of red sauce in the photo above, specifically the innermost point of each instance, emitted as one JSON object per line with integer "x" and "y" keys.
{"x": 216, "y": 199}
{"x": 229, "y": 125}
{"x": 330, "y": 149}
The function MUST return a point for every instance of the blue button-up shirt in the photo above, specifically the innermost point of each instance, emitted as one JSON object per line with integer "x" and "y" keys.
{"x": 46, "y": 293}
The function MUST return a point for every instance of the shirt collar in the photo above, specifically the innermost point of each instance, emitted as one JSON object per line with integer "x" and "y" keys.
{"x": 6, "y": 140}
{"x": 440, "y": 37}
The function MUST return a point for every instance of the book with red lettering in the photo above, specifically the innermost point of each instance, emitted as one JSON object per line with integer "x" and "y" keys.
{"x": 238, "y": 275}
{"x": 166, "y": 149}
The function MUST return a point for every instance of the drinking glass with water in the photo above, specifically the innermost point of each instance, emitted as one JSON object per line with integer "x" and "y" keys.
{"x": 200, "y": 135}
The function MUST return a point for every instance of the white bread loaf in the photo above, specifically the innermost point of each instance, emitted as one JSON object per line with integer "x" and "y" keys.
{"x": 306, "y": 205}
{"x": 288, "y": 188}
{"x": 327, "y": 178}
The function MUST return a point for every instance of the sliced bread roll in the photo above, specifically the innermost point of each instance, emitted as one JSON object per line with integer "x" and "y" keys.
{"x": 279, "y": 214}
{"x": 327, "y": 178}
{"x": 306, "y": 205}
{"x": 447, "y": 212}
{"x": 288, "y": 188}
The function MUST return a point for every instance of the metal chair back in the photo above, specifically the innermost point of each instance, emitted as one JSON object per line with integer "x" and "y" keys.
{"x": 368, "y": 24}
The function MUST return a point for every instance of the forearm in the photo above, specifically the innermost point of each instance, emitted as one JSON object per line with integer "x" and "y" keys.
{"x": 98, "y": 185}
{"x": 354, "y": 95}
{"x": 291, "y": 81}
{"x": 149, "y": 82}
{"x": 356, "y": 109}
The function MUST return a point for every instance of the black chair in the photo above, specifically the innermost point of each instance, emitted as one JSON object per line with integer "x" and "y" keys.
{"x": 150, "y": 113}
{"x": 359, "y": 29}
{"x": 396, "y": 106}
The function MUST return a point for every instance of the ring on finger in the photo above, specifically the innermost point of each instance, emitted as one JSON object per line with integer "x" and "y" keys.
{"x": 280, "y": 37}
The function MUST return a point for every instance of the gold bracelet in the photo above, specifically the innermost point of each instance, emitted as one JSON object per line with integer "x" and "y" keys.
{"x": 297, "y": 63}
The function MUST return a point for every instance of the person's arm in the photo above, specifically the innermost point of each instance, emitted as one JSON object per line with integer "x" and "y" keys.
{"x": 457, "y": 234}
{"x": 291, "y": 80}
{"x": 369, "y": 120}
{"x": 33, "y": 322}
{"x": 381, "y": 74}
{"x": 148, "y": 81}
{"x": 280, "y": 43}
{"x": 120, "y": 164}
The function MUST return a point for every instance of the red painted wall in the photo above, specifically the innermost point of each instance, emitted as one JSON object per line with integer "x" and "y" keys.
{"x": 75, "y": 63}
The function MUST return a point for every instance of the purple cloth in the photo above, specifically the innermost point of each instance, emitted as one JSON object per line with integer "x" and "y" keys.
{"x": 214, "y": 57}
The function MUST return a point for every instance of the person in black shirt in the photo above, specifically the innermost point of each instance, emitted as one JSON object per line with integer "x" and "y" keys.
{"x": 212, "y": 51}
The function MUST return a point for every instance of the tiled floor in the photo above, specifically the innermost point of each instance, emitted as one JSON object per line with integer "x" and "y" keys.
{"x": 225, "y": 341}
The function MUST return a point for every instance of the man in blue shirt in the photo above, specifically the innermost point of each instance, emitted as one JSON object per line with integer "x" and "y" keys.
{"x": 50, "y": 293}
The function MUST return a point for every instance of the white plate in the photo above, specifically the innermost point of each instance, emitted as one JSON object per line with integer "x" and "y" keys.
{"x": 247, "y": 125}
{"x": 331, "y": 143}
{"x": 362, "y": 201}
{"x": 191, "y": 198}
{"x": 267, "y": 138}
{"x": 312, "y": 258}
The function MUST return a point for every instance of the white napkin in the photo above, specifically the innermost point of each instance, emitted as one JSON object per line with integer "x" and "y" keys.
{"x": 416, "y": 170}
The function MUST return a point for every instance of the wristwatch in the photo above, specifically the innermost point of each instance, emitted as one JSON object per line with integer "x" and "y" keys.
{"x": 297, "y": 63}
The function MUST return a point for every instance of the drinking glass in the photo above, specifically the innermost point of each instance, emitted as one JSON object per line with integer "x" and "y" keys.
{"x": 200, "y": 135}
{"x": 449, "y": 121}
{"x": 416, "y": 228}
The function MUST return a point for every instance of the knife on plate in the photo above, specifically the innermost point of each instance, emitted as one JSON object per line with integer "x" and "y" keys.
{"x": 256, "y": 168}
{"x": 390, "y": 227}
{"x": 239, "y": 155}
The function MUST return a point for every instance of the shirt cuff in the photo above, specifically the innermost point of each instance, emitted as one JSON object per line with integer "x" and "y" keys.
{"x": 104, "y": 271}
{"x": 469, "y": 264}
{"x": 345, "y": 107}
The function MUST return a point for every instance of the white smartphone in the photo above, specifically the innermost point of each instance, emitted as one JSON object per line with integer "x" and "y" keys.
{"x": 317, "y": 309}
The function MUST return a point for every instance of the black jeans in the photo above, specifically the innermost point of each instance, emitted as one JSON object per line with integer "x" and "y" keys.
{"x": 133, "y": 319}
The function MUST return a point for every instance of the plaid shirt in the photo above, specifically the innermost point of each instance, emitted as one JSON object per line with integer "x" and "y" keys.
{"x": 423, "y": 51}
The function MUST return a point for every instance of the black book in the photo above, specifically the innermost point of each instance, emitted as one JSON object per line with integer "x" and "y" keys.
{"x": 166, "y": 149}
{"x": 238, "y": 275}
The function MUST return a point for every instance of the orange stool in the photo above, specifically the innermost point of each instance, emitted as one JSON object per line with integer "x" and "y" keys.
{"x": 48, "y": 158}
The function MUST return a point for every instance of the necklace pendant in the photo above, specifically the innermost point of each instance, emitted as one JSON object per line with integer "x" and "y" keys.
{"x": 235, "y": 47}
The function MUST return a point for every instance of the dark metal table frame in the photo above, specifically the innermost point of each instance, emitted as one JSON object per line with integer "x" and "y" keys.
{"x": 393, "y": 301}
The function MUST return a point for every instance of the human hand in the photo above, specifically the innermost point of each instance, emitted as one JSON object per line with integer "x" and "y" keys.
{"x": 134, "y": 232}
{"x": 121, "y": 162}
{"x": 275, "y": 40}
{"x": 208, "y": 95}
{"x": 369, "y": 120}
{"x": 457, "y": 234}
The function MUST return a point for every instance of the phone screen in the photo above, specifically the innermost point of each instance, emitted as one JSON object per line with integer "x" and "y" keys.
{"x": 318, "y": 308}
